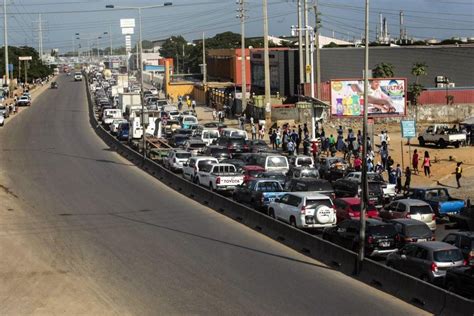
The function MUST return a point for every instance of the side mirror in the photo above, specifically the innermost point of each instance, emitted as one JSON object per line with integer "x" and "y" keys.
{"x": 403, "y": 256}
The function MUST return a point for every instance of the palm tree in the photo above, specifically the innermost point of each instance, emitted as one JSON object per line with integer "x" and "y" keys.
{"x": 383, "y": 70}
{"x": 419, "y": 69}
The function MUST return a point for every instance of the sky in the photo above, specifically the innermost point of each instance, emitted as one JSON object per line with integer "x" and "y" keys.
{"x": 62, "y": 19}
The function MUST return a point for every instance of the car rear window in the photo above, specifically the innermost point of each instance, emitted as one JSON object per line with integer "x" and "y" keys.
{"x": 310, "y": 203}
{"x": 382, "y": 230}
{"x": 422, "y": 209}
{"x": 203, "y": 163}
{"x": 277, "y": 162}
{"x": 417, "y": 231}
{"x": 317, "y": 186}
{"x": 183, "y": 155}
{"x": 269, "y": 186}
{"x": 305, "y": 161}
{"x": 447, "y": 255}
{"x": 309, "y": 173}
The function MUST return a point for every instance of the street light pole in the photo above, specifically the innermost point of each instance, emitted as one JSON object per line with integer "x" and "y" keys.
{"x": 6, "y": 41}
{"x": 364, "y": 184}
{"x": 266, "y": 62}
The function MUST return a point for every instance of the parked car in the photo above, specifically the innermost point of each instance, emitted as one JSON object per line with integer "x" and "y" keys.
{"x": 349, "y": 188}
{"x": 54, "y": 85}
{"x": 333, "y": 168}
{"x": 178, "y": 140}
{"x": 250, "y": 172}
{"x": 187, "y": 121}
{"x": 410, "y": 208}
{"x": 23, "y": 101}
{"x": 380, "y": 238}
{"x": 2, "y": 120}
{"x": 239, "y": 164}
{"x": 304, "y": 210}
{"x": 234, "y": 133}
{"x": 389, "y": 190}
{"x": 115, "y": 124}
{"x": 194, "y": 164}
{"x": 301, "y": 161}
{"x": 219, "y": 152}
{"x": 463, "y": 240}
{"x": 412, "y": 230}
{"x": 258, "y": 193}
{"x": 4, "y": 111}
{"x": 439, "y": 198}
{"x": 442, "y": 136}
{"x": 427, "y": 260}
{"x": 461, "y": 281}
{"x": 175, "y": 160}
{"x": 233, "y": 144}
{"x": 219, "y": 177}
{"x": 302, "y": 172}
{"x": 272, "y": 162}
{"x": 195, "y": 146}
{"x": 311, "y": 184}
{"x": 170, "y": 127}
{"x": 349, "y": 208}
{"x": 209, "y": 135}
{"x": 280, "y": 177}
{"x": 257, "y": 145}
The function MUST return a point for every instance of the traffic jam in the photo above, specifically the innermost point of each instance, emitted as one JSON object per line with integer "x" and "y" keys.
{"x": 320, "y": 196}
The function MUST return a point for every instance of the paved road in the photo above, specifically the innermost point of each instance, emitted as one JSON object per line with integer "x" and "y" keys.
{"x": 95, "y": 235}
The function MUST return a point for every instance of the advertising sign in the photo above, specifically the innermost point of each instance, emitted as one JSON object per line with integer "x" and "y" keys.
{"x": 25, "y": 58}
{"x": 408, "y": 129}
{"x": 127, "y": 30}
{"x": 127, "y": 23}
{"x": 386, "y": 97}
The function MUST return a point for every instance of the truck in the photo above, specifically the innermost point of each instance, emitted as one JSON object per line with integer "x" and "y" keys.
{"x": 219, "y": 177}
{"x": 439, "y": 199}
{"x": 259, "y": 193}
{"x": 442, "y": 136}
{"x": 128, "y": 99}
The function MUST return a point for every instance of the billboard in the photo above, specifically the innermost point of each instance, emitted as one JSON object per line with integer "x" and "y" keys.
{"x": 124, "y": 23}
{"x": 386, "y": 97}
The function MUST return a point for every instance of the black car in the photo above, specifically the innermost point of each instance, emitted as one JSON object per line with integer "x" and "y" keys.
{"x": 380, "y": 238}
{"x": 460, "y": 280}
{"x": 236, "y": 162}
{"x": 178, "y": 140}
{"x": 349, "y": 188}
{"x": 465, "y": 242}
{"x": 257, "y": 145}
{"x": 219, "y": 152}
{"x": 332, "y": 168}
{"x": 233, "y": 144}
{"x": 183, "y": 131}
{"x": 54, "y": 85}
{"x": 310, "y": 184}
{"x": 411, "y": 230}
{"x": 302, "y": 172}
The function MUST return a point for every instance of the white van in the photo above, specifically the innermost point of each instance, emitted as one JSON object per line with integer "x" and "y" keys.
{"x": 234, "y": 132}
{"x": 273, "y": 162}
{"x": 209, "y": 135}
{"x": 110, "y": 115}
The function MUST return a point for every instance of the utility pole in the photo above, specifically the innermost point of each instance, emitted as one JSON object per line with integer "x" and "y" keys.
{"x": 110, "y": 38}
{"x": 300, "y": 48}
{"x": 243, "y": 56}
{"x": 40, "y": 36}
{"x": 364, "y": 184}
{"x": 266, "y": 62}
{"x": 306, "y": 39}
{"x": 6, "y": 41}
{"x": 318, "y": 52}
{"x": 204, "y": 65}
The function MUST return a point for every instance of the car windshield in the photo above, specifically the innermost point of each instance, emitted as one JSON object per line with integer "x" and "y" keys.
{"x": 183, "y": 155}
{"x": 420, "y": 209}
{"x": 306, "y": 161}
{"x": 450, "y": 255}
{"x": 418, "y": 231}
{"x": 204, "y": 163}
{"x": 382, "y": 230}
{"x": 277, "y": 162}
{"x": 312, "y": 203}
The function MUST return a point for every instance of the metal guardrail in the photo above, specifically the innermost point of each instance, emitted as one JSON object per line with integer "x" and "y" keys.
{"x": 412, "y": 290}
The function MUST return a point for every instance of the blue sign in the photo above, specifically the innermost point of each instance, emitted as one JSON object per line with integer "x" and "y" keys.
{"x": 408, "y": 129}
{"x": 10, "y": 67}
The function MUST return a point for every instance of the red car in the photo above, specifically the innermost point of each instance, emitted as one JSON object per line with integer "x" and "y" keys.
{"x": 349, "y": 208}
{"x": 251, "y": 171}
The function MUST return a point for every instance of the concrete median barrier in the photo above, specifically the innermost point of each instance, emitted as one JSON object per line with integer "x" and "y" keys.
{"x": 426, "y": 296}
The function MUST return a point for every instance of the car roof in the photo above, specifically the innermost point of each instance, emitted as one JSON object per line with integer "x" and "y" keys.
{"x": 407, "y": 221}
{"x": 436, "y": 245}
{"x": 310, "y": 194}
{"x": 412, "y": 202}
{"x": 469, "y": 234}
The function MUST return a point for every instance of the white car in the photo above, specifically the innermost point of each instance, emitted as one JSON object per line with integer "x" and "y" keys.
{"x": 389, "y": 190}
{"x": 194, "y": 164}
{"x": 2, "y": 120}
{"x": 304, "y": 210}
{"x": 153, "y": 91}
{"x": 176, "y": 159}
{"x": 115, "y": 124}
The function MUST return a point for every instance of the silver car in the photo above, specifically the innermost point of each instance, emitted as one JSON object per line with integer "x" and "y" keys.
{"x": 426, "y": 260}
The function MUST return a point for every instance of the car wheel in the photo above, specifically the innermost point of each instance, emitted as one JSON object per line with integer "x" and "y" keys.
{"x": 293, "y": 222}
{"x": 421, "y": 141}
{"x": 271, "y": 213}
{"x": 442, "y": 143}
{"x": 457, "y": 144}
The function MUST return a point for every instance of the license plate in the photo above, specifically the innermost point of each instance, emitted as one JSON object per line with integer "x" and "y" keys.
{"x": 271, "y": 199}
{"x": 420, "y": 240}
{"x": 384, "y": 244}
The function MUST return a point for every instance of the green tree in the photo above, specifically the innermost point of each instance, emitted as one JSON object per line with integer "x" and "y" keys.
{"x": 331, "y": 45}
{"x": 36, "y": 68}
{"x": 383, "y": 70}
{"x": 415, "y": 89}
{"x": 419, "y": 69}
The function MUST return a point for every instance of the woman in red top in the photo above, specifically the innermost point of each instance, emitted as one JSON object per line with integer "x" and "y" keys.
{"x": 357, "y": 163}
{"x": 415, "y": 162}
{"x": 427, "y": 164}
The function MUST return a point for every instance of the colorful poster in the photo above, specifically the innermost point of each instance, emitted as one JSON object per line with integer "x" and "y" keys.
{"x": 386, "y": 97}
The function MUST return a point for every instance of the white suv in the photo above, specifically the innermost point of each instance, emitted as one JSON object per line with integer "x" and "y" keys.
{"x": 304, "y": 210}
{"x": 194, "y": 164}
{"x": 176, "y": 159}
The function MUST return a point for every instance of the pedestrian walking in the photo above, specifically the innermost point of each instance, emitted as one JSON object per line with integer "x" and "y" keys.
{"x": 392, "y": 176}
{"x": 306, "y": 144}
{"x": 407, "y": 179}
{"x": 262, "y": 132}
{"x": 193, "y": 104}
{"x": 254, "y": 132}
{"x": 427, "y": 164}
{"x": 357, "y": 163}
{"x": 291, "y": 147}
{"x": 398, "y": 174}
{"x": 458, "y": 173}
{"x": 277, "y": 139}
{"x": 305, "y": 128}
{"x": 180, "y": 106}
{"x": 314, "y": 149}
{"x": 414, "y": 162}
{"x": 273, "y": 136}
{"x": 214, "y": 114}
{"x": 188, "y": 103}
{"x": 384, "y": 156}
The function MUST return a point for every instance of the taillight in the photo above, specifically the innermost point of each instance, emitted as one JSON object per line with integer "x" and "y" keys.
{"x": 218, "y": 180}
{"x": 408, "y": 216}
{"x": 303, "y": 210}
{"x": 333, "y": 196}
{"x": 434, "y": 267}
{"x": 465, "y": 262}
{"x": 433, "y": 217}
{"x": 370, "y": 239}
{"x": 351, "y": 214}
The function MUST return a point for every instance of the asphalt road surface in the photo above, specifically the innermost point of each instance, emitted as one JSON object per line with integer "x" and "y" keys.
{"x": 89, "y": 233}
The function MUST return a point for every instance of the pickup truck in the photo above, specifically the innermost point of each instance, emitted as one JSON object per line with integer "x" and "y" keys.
{"x": 442, "y": 203}
{"x": 442, "y": 136}
{"x": 219, "y": 177}
{"x": 389, "y": 191}
{"x": 258, "y": 193}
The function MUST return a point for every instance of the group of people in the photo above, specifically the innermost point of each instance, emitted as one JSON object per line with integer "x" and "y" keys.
{"x": 190, "y": 103}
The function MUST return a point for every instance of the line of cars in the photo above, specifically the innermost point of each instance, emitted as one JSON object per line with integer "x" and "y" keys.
{"x": 319, "y": 196}
{"x": 23, "y": 100}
